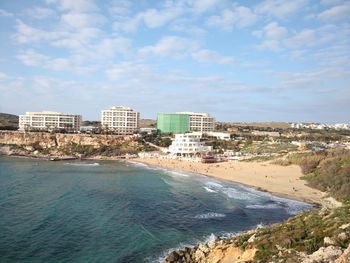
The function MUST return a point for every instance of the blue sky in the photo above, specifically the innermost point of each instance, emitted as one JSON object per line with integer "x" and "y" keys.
{"x": 270, "y": 60}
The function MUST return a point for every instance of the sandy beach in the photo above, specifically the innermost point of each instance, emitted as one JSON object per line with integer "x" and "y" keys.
{"x": 280, "y": 180}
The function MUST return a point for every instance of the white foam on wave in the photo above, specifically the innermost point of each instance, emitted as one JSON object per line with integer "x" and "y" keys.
{"x": 210, "y": 239}
{"x": 292, "y": 207}
{"x": 209, "y": 189}
{"x": 209, "y": 215}
{"x": 235, "y": 193}
{"x": 214, "y": 184}
{"x": 266, "y": 206}
{"x": 177, "y": 173}
{"x": 138, "y": 164}
{"x": 82, "y": 164}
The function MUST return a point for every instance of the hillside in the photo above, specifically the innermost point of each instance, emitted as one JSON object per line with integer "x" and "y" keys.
{"x": 8, "y": 121}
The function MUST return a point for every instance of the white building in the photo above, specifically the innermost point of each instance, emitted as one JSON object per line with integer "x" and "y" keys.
{"x": 188, "y": 145}
{"x": 202, "y": 122}
{"x": 120, "y": 120}
{"x": 218, "y": 135}
{"x": 48, "y": 120}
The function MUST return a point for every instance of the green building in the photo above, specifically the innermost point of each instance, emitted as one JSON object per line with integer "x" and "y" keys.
{"x": 173, "y": 122}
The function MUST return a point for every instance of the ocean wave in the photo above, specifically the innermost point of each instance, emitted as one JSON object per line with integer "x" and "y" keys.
{"x": 138, "y": 164}
{"x": 210, "y": 239}
{"x": 266, "y": 206}
{"x": 214, "y": 184}
{"x": 82, "y": 164}
{"x": 235, "y": 193}
{"x": 209, "y": 189}
{"x": 177, "y": 174}
{"x": 209, "y": 215}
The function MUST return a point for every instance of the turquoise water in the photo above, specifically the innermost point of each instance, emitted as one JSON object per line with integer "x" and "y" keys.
{"x": 118, "y": 211}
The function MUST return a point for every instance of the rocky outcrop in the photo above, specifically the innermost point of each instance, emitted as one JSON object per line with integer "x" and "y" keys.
{"x": 317, "y": 236}
{"x": 42, "y": 145}
{"x": 215, "y": 252}
{"x": 48, "y": 140}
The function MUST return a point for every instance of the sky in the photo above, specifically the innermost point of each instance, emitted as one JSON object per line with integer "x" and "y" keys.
{"x": 270, "y": 60}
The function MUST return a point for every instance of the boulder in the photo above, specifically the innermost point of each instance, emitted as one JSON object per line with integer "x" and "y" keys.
{"x": 345, "y": 257}
{"x": 324, "y": 254}
{"x": 328, "y": 241}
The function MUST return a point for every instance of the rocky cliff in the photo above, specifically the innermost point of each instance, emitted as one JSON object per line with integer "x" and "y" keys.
{"x": 49, "y": 140}
{"x": 42, "y": 143}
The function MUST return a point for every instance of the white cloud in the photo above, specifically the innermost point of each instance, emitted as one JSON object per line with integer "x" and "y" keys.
{"x": 272, "y": 31}
{"x": 237, "y": 16}
{"x": 183, "y": 25}
{"x": 209, "y": 56}
{"x": 32, "y": 58}
{"x": 4, "y": 13}
{"x": 40, "y": 12}
{"x": 78, "y": 39}
{"x": 331, "y": 2}
{"x": 130, "y": 71}
{"x": 110, "y": 47}
{"x": 311, "y": 79}
{"x": 152, "y": 18}
{"x": 171, "y": 46}
{"x": 312, "y": 37}
{"x": 3, "y": 76}
{"x": 280, "y": 8}
{"x": 78, "y": 6}
{"x": 82, "y": 20}
{"x": 336, "y": 12}
{"x": 271, "y": 34}
{"x": 28, "y": 34}
{"x": 278, "y": 38}
{"x": 120, "y": 7}
{"x": 204, "y": 5}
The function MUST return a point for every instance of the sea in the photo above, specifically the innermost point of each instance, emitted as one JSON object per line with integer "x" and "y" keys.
{"x": 116, "y": 211}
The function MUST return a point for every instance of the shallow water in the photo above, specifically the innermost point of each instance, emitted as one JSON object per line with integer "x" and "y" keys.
{"x": 119, "y": 212}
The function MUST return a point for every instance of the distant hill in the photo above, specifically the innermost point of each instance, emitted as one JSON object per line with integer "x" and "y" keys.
{"x": 273, "y": 125}
{"x": 147, "y": 123}
{"x": 91, "y": 123}
{"x": 143, "y": 123}
{"x": 8, "y": 121}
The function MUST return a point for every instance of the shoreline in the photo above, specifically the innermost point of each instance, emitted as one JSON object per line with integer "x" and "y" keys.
{"x": 232, "y": 171}
{"x": 294, "y": 188}
{"x": 258, "y": 188}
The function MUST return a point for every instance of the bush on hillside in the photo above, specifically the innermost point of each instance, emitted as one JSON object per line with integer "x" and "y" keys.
{"x": 327, "y": 171}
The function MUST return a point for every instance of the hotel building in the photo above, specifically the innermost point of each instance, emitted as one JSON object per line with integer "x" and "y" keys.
{"x": 181, "y": 122}
{"x": 188, "y": 145}
{"x": 48, "y": 120}
{"x": 120, "y": 120}
{"x": 201, "y": 122}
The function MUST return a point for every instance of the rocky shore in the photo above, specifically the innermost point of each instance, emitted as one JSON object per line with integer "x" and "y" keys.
{"x": 317, "y": 236}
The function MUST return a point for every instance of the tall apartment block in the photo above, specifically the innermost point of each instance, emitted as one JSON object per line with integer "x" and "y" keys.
{"x": 182, "y": 122}
{"x": 120, "y": 120}
{"x": 48, "y": 120}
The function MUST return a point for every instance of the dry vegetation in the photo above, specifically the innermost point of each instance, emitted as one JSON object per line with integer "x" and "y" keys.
{"x": 8, "y": 121}
{"x": 327, "y": 170}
